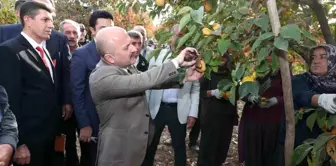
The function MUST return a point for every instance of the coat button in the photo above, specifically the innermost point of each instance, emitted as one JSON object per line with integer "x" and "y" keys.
{"x": 147, "y": 115}
{"x": 146, "y": 132}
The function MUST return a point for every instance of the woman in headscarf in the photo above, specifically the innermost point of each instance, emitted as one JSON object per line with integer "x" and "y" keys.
{"x": 218, "y": 116}
{"x": 315, "y": 88}
{"x": 261, "y": 121}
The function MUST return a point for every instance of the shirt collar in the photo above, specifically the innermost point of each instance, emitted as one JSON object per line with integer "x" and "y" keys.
{"x": 32, "y": 41}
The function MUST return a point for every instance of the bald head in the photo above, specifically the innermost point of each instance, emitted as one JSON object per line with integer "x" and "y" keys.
{"x": 114, "y": 45}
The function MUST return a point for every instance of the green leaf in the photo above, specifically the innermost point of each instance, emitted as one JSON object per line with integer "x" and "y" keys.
{"x": 262, "y": 67}
{"x": 228, "y": 29}
{"x": 200, "y": 43}
{"x": 300, "y": 153}
{"x": 321, "y": 140}
{"x": 183, "y": 40}
{"x": 243, "y": 10}
{"x": 321, "y": 155}
{"x": 263, "y": 53}
{"x": 281, "y": 43}
{"x": 311, "y": 121}
{"x": 214, "y": 68}
{"x": 184, "y": 10}
{"x": 262, "y": 22}
{"x": 207, "y": 55}
{"x": 196, "y": 38}
{"x": 265, "y": 36}
{"x": 331, "y": 121}
{"x": 255, "y": 45}
{"x": 248, "y": 88}
{"x": 155, "y": 53}
{"x": 215, "y": 62}
{"x": 234, "y": 36}
{"x": 247, "y": 24}
{"x": 308, "y": 35}
{"x": 275, "y": 62}
{"x": 237, "y": 15}
{"x": 224, "y": 84}
{"x": 291, "y": 31}
{"x": 223, "y": 45}
{"x": 184, "y": 21}
{"x": 240, "y": 72}
{"x": 197, "y": 15}
{"x": 233, "y": 95}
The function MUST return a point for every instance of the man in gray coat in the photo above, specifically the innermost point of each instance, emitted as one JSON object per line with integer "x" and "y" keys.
{"x": 118, "y": 91}
{"x": 8, "y": 129}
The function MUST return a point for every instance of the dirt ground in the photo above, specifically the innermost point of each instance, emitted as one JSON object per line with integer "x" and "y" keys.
{"x": 165, "y": 154}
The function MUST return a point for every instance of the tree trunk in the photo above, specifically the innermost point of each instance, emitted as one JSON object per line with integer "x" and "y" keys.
{"x": 286, "y": 85}
{"x": 317, "y": 8}
{"x": 322, "y": 19}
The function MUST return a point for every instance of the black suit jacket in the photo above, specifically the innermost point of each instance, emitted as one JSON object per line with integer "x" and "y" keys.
{"x": 59, "y": 51}
{"x": 143, "y": 64}
{"x": 33, "y": 96}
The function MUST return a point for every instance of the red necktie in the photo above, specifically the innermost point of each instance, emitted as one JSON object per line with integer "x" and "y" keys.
{"x": 44, "y": 58}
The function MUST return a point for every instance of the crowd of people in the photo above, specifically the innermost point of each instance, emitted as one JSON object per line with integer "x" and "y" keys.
{"x": 57, "y": 87}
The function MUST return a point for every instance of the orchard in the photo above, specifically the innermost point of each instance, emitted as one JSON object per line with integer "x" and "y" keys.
{"x": 260, "y": 36}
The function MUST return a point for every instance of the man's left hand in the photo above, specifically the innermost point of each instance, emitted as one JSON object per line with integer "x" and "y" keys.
{"x": 192, "y": 74}
{"x": 6, "y": 152}
{"x": 191, "y": 121}
{"x": 67, "y": 111}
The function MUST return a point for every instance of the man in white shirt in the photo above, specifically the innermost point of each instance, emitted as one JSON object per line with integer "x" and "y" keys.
{"x": 176, "y": 108}
{"x": 29, "y": 76}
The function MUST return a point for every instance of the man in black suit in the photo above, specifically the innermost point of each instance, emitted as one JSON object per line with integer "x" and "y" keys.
{"x": 57, "y": 46}
{"x": 29, "y": 75}
{"x": 137, "y": 41}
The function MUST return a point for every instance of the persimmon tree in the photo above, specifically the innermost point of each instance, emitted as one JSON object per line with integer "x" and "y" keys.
{"x": 242, "y": 28}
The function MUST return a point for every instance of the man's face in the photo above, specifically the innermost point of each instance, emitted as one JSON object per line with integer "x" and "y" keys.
{"x": 137, "y": 43}
{"x": 319, "y": 63}
{"x": 41, "y": 25}
{"x": 82, "y": 35}
{"x": 125, "y": 53}
{"x": 72, "y": 33}
{"x": 100, "y": 24}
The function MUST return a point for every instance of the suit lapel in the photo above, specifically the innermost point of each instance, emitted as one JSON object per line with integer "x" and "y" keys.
{"x": 35, "y": 57}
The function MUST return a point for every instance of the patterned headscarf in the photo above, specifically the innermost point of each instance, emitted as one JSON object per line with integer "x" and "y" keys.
{"x": 326, "y": 82}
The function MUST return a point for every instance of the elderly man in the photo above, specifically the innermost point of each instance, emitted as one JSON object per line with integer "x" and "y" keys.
{"x": 145, "y": 49}
{"x": 8, "y": 129}
{"x": 136, "y": 40}
{"x": 118, "y": 91}
{"x": 71, "y": 30}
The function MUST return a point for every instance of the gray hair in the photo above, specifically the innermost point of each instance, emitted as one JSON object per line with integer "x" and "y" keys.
{"x": 68, "y": 21}
{"x": 135, "y": 34}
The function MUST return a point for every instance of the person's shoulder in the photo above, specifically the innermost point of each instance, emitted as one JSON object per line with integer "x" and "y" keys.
{"x": 57, "y": 34}
{"x": 10, "y": 26}
{"x": 11, "y": 43}
{"x": 3, "y": 95}
{"x": 300, "y": 77}
{"x": 82, "y": 51}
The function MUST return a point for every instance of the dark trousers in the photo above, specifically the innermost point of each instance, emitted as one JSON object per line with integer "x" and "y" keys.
{"x": 194, "y": 133}
{"x": 69, "y": 129}
{"x": 89, "y": 153}
{"x": 260, "y": 142}
{"x": 167, "y": 115}
{"x": 41, "y": 153}
{"x": 215, "y": 137}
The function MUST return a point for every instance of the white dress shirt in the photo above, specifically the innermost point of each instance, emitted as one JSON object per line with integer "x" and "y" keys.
{"x": 33, "y": 43}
